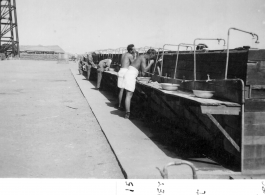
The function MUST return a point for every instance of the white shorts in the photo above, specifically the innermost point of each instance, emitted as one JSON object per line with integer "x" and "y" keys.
{"x": 130, "y": 78}
{"x": 121, "y": 74}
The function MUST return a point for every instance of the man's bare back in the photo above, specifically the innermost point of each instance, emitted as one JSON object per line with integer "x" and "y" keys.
{"x": 140, "y": 63}
{"x": 126, "y": 60}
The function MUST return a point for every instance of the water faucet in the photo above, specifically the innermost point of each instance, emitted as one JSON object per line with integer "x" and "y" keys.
{"x": 189, "y": 47}
{"x": 221, "y": 40}
{"x": 257, "y": 40}
{"x": 183, "y": 80}
{"x": 208, "y": 78}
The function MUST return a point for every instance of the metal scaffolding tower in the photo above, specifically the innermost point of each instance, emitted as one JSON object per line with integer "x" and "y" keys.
{"x": 9, "y": 43}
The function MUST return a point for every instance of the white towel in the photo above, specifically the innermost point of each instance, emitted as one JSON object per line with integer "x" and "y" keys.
{"x": 121, "y": 74}
{"x": 130, "y": 78}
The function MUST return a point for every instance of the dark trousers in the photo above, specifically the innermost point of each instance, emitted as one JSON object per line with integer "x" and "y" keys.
{"x": 99, "y": 77}
{"x": 88, "y": 68}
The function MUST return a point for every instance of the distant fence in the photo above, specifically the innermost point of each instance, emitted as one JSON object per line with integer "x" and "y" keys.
{"x": 48, "y": 57}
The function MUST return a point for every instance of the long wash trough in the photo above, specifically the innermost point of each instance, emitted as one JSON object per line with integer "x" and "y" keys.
{"x": 231, "y": 122}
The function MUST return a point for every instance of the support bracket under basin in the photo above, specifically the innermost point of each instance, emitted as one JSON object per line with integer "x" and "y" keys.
{"x": 223, "y": 131}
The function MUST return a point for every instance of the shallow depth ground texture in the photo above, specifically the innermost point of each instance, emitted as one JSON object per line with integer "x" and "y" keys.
{"x": 47, "y": 129}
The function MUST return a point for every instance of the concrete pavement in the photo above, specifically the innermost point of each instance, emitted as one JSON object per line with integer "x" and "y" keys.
{"x": 47, "y": 129}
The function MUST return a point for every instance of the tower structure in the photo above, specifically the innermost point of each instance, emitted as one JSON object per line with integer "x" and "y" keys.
{"x": 9, "y": 42}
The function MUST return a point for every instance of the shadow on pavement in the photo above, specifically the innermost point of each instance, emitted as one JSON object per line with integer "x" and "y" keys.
{"x": 118, "y": 113}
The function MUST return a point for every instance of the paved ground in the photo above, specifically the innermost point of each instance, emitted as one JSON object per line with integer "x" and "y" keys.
{"x": 47, "y": 129}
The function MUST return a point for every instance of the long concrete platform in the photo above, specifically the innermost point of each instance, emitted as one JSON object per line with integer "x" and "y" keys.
{"x": 138, "y": 155}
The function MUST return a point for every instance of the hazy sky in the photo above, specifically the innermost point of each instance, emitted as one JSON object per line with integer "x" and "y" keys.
{"x": 80, "y": 26}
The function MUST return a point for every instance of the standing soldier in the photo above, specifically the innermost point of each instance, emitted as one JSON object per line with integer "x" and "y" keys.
{"x": 90, "y": 64}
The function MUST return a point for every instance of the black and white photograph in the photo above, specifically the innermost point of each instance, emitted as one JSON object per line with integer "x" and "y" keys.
{"x": 132, "y": 97}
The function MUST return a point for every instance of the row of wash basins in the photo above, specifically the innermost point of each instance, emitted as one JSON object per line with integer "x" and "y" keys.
{"x": 216, "y": 97}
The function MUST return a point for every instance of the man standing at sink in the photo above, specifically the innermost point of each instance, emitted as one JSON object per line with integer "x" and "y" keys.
{"x": 103, "y": 65}
{"x": 132, "y": 73}
{"x": 126, "y": 60}
{"x": 90, "y": 63}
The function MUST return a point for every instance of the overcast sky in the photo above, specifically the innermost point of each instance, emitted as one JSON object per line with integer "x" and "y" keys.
{"x": 80, "y": 26}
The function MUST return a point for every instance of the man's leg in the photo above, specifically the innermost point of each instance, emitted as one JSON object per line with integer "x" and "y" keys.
{"x": 80, "y": 66}
{"x": 88, "y": 71}
{"x": 128, "y": 98}
{"x": 99, "y": 78}
{"x": 120, "y": 96}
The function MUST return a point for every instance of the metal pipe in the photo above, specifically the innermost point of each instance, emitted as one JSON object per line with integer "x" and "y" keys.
{"x": 242, "y": 121}
{"x": 218, "y": 39}
{"x": 164, "y": 173}
{"x": 227, "y": 55}
{"x": 163, "y": 56}
{"x": 181, "y": 44}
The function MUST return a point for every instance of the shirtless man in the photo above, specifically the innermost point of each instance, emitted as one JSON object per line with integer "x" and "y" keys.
{"x": 132, "y": 73}
{"x": 126, "y": 60}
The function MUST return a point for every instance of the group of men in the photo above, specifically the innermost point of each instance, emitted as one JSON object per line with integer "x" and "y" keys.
{"x": 87, "y": 63}
{"x": 131, "y": 64}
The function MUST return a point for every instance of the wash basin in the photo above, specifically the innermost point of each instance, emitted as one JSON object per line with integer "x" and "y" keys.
{"x": 169, "y": 86}
{"x": 143, "y": 79}
{"x": 203, "y": 94}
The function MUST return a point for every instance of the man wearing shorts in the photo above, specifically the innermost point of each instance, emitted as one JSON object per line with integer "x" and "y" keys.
{"x": 126, "y": 60}
{"x": 132, "y": 73}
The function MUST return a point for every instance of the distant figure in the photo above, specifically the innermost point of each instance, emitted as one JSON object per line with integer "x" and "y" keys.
{"x": 132, "y": 73}
{"x": 201, "y": 46}
{"x": 80, "y": 66}
{"x": 76, "y": 57}
{"x": 102, "y": 66}
{"x": 84, "y": 59}
{"x": 90, "y": 63}
{"x": 126, "y": 60}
